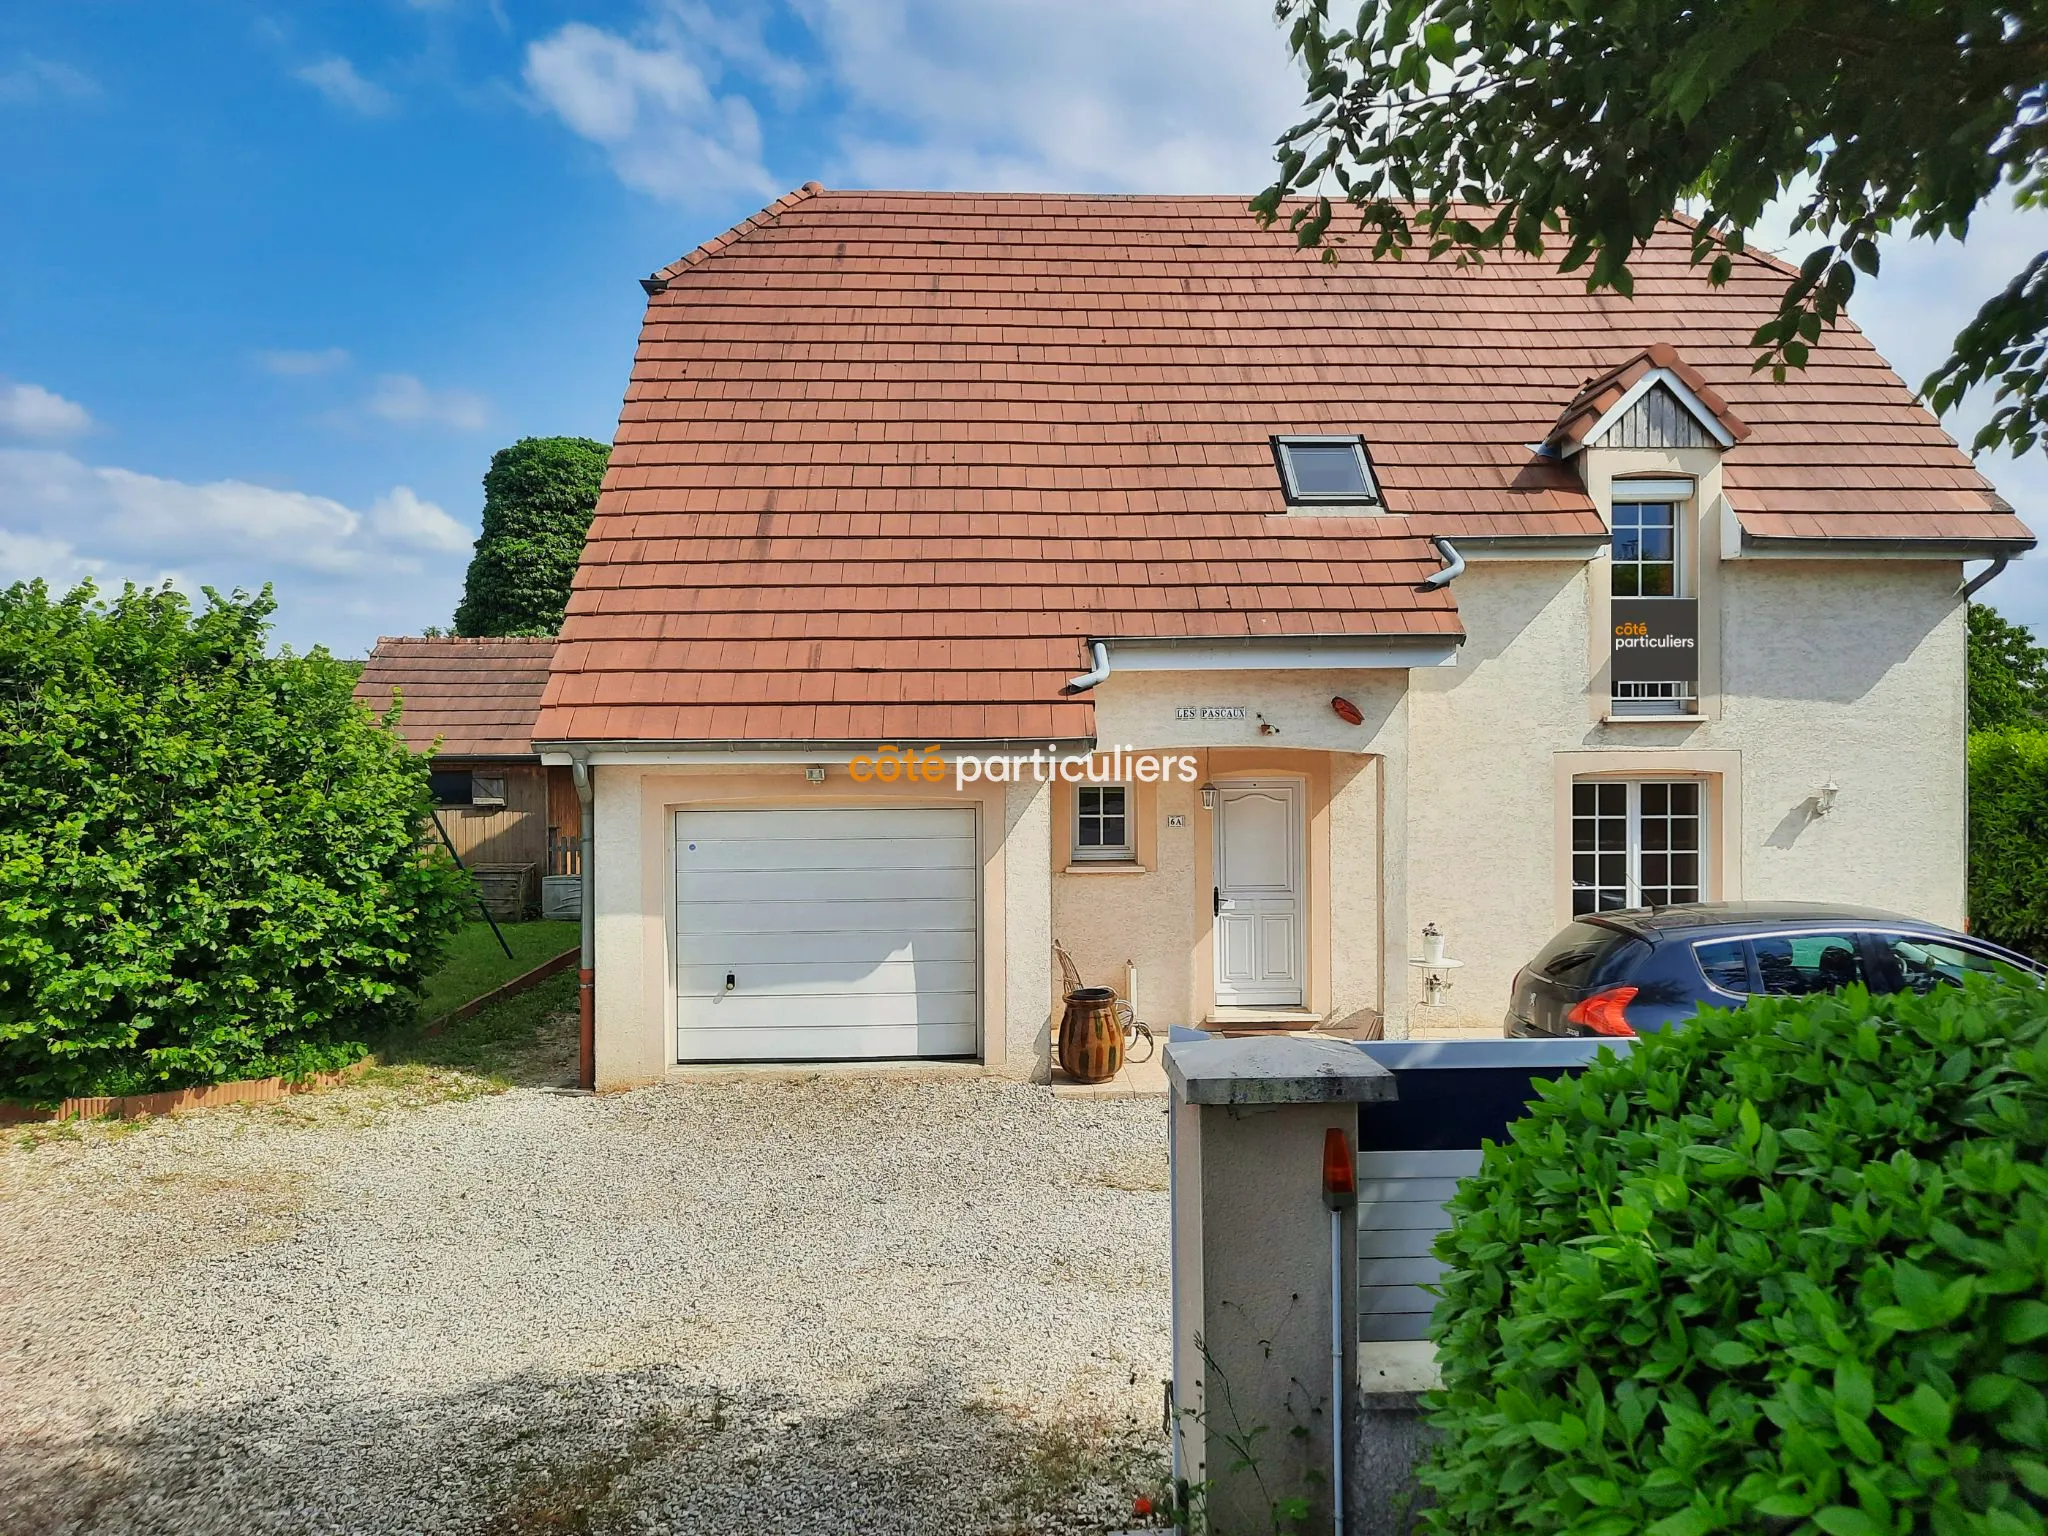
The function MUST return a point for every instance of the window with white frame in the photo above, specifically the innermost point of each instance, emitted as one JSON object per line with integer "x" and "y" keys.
{"x": 1647, "y": 559}
{"x": 1102, "y": 822}
{"x": 1636, "y": 843}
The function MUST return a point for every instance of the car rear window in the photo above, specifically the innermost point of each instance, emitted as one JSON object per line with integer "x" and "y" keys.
{"x": 1796, "y": 965}
{"x": 1725, "y": 964}
{"x": 1571, "y": 956}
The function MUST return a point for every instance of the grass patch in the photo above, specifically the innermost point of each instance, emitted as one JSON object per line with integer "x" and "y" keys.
{"x": 475, "y": 964}
{"x": 530, "y": 1038}
{"x": 1078, "y": 1472}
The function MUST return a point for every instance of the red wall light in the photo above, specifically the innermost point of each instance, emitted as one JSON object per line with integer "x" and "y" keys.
{"x": 1347, "y": 711}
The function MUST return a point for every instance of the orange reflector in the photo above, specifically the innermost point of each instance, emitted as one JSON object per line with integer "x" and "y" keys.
{"x": 1340, "y": 1173}
{"x": 1604, "y": 1012}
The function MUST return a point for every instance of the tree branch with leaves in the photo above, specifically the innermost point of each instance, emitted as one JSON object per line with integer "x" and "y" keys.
{"x": 1461, "y": 127}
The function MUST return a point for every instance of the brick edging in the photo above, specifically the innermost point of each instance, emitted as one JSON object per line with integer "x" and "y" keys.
{"x": 510, "y": 989}
{"x": 262, "y": 1090}
{"x": 132, "y": 1106}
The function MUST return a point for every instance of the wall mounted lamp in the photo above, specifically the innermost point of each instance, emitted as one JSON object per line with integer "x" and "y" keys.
{"x": 1208, "y": 797}
{"x": 815, "y": 774}
{"x": 1824, "y": 798}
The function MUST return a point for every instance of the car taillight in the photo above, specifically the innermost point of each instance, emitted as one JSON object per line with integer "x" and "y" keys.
{"x": 1602, "y": 1012}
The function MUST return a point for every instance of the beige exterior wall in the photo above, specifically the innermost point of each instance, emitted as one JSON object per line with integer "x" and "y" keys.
{"x": 1848, "y": 671}
{"x": 1449, "y": 804}
{"x": 1155, "y": 914}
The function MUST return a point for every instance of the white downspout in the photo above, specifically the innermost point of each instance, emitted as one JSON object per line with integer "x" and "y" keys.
{"x": 1454, "y": 563}
{"x": 1100, "y": 674}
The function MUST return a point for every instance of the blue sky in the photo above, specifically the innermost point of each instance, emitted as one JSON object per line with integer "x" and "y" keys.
{"x": 275, "y": 281}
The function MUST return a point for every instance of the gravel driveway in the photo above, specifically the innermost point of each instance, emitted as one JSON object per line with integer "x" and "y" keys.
{"x": 888, "y": 1302}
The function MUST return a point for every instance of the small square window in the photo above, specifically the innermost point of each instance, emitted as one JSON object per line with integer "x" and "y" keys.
{"x": 1102, "y": 821}
{"x": 487, "y": 789}
{"x": 451, "y": 786}
{"x": 1318, "y": 469}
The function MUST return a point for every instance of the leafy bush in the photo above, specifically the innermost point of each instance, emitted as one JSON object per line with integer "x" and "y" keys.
{"x": 2009, "y": 837}
{"x": 538, "y": 498}
{"x": 209, "y": 859}
{"x": 1782, "y": 1271}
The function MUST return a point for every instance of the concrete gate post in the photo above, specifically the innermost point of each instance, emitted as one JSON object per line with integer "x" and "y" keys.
{"x": 1252, "y": 1279}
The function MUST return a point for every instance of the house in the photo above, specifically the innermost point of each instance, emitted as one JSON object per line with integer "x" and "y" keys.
{"x": 975, "y": 570}
{"x": 472, "y": 703}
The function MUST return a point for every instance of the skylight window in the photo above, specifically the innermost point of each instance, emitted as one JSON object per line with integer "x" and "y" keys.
{"x": 1325, "y": 469}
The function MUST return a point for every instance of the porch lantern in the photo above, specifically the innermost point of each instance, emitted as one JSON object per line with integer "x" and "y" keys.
{"x": 1208, "y": 797}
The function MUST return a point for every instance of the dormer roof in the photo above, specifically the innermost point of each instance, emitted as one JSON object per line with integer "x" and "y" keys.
{"x": 1604, "y": 401}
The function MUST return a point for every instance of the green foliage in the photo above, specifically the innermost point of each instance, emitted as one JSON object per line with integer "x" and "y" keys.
{"x": 1780, "y": 1271}
{"x": 538, "y": 497}
{"x": 2008, "y": 672}
{"x": 474, "y": 964}
{"x": 2009, "y": 837}
{"x": 209, "y": 858}
{"x": 1462, "y": 127}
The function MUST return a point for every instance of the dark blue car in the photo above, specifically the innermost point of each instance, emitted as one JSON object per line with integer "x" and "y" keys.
{"x": 1628, "y": 973}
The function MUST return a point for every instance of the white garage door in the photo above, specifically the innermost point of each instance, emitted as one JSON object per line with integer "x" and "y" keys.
{"x": 825, "y": 935}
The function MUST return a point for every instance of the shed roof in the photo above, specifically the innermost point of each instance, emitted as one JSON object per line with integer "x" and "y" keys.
{"x": 479, "y": 697}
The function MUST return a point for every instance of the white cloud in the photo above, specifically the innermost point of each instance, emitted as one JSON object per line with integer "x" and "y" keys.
{"x": 342, "y": 576}
{"x": 35, "y": 79}
{"x": 402, "y": 518}
{"x": 401, "y": 398}
{"x": 1060, "y": 95}
{"x": 1074, "y": 95}
{"x": 653, "y": 107}
{"x": 298, "y": 365}
{"x": 335, "y": 78}
{"x": 29, "y": 410}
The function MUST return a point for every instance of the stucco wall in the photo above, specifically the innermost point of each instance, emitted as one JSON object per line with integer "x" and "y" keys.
{"x": 1850, "y": 671}
{"x": 1449, "y": 804}
{"x": 1025, "y": 923}
{"x": 1481, "y": 797}
{"x": 1159, "y": 919}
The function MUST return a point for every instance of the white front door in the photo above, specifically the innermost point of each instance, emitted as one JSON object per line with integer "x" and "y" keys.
{"x": 826, "y": 934}
{"x": 1259, "y": 936}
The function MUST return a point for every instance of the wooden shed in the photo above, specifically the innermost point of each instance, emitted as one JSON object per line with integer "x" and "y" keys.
{"x": 471, "y": 704}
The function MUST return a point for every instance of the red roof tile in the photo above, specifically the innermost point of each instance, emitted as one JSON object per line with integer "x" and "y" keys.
{"x": 888, "y": 460}
{"x": 479, "y": 697}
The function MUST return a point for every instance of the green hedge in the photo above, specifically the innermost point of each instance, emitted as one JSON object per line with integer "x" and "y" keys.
{"x": 1781, "y": 1271}
{"x": 2009, "y": 837}
{"x": 209, "y": 858}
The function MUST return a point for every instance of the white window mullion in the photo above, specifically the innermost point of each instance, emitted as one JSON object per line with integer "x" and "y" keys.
{"x": 1635, "y": 845}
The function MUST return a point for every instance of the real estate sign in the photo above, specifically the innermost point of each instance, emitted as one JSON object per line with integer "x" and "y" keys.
{"x": 1656, "y": 639}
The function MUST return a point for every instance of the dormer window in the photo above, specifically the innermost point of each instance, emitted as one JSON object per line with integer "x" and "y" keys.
{"x": 1315, "y": 470}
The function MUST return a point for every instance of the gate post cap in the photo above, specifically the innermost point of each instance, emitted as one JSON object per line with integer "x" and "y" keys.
{"x": 1276, "y": 1069}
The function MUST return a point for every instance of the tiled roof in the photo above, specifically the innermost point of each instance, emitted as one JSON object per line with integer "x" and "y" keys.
{"x": 1598, "y": 396}
{"x": 888, "y": 460}
{"x": 479, "y": 696}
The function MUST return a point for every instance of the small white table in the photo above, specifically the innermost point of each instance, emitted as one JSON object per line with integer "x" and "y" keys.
{"x": 1436, "y": 980}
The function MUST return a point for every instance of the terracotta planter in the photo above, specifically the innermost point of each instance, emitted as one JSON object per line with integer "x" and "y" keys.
{"x": 1091, "y": 1040}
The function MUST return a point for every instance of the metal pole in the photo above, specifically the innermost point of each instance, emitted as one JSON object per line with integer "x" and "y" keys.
{"x": 1340, "y": 1194}
{"x": 481, "y": 907}
{"x": 1337, "y": 1395}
